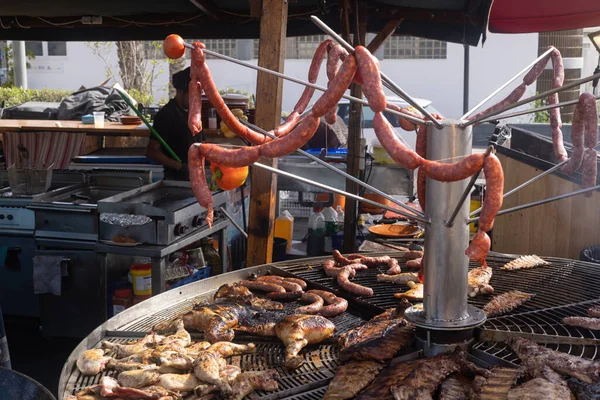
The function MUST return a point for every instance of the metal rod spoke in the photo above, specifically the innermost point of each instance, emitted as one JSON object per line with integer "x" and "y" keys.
{"x": 450, "y": 221}
{"x": 230, "y": 218}
{"x": 527, "y": 183}
{"x": 495, "y": 92}
{"x": 540, "y": 202}
{"x": 532, "y": 98}
{"x": 386, "y": 80}
{"x": 339, "y": 171}
{"x": 339, "y": 191}
{"x": 534, "y": 110}
{"x": 308, "y": 84}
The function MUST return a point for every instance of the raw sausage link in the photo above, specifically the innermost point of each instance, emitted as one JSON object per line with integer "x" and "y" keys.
{"x": 494, "y": 177}
{"x": 414, "y": 264}
{"x": 195, "y": 107}
{"x": 589, "y": 172}
{"x": 334, "y": 55}
{"x": 335, "y": 305}
{"x": 264, "y": 286}
{"x": 372, "y": 88}
{"x": 394, "y": 267}
{"x": 590, "y": 119}
{"x": 512, "y": 98}
{"x": 228, "y": 157}
{"x": 286, "y": 296}
{"x": 536, "y": 71}
{"x": 316, "y": 303}
{"x": 313, "y": 74}
{"x": 413, "y": 255}
{"x": 576, "y": 141}
{"x": 344, "y": 282}
{"x": 331, "y": 270}
{"x": 199, "y": 183}
{"x": 297, "y": 138}
{"x": 479, "y": 247}
{"x": 399, "y": 152}
{"x": 457, "y": 171}
{"x": 336, "y": 90}
{"x": 403, "y": 122}
{"x": 557, "y": 136}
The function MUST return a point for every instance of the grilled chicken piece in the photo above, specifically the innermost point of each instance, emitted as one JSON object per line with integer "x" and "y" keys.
{"x": 455, "y": 387}
{"x": 181, "y": 338}
{"x": 497, "y": 385}
{"x": 241, "y": 294}
{"x": 92, "y": 362}
{"x": 179, "y": 382}
{"x": 594, "y": 312}
{"x": 535, "y": 358}
{"x": 247, "y": 382}
{"x": 422, "y": 382}
{"x": 506, "y": 302}
{"x": 414, "y": 293}
{"x": 524, "y": 262}
{"x": 377, "y": 340}
{"x": 479, "y": 281}
{"x": 138, "y": 378}
{"x": 389, "y": 376}
{"x": 297, "y": 331}
{"x": 210, "y": 365}
{"x": 351, "y": 378}
{"x": 195, "y": 348}
{"x": 110, "y": 388}
{"x": 539, "y": 389}
{"x": 400, "y": 279}
{"x": 123, "y": 350}
{"x": 583, "y": 322}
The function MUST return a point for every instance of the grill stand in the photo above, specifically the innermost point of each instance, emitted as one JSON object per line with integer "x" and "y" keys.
{"x": 445, "y": 305}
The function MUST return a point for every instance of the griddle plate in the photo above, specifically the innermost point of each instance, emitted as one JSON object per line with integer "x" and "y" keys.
{"x": 169, "y": 198}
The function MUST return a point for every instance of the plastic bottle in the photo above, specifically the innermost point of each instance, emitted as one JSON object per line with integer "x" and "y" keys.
{"x": 284, "y": 227}
{"x": 316, "y": 233}
{"x": 212, "y": 119}
{"x": 340, "y": 218}
{"x": 122, "y": 300}
{"x": 330, "y": 228}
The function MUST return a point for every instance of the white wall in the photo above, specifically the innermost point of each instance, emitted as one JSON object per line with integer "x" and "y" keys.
{"x": 438, "y": 80}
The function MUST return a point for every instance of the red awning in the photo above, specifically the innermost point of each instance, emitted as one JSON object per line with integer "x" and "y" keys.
{"x": 526, "y": 16}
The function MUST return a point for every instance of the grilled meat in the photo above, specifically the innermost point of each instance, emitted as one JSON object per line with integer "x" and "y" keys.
{"x": 524, "y": 262}
{"x": 594, "y": 312}
{"x": 247, "y": 382}
{"x": 506, "y": 302}
{"x": 351, "y": 378}
{"x": 123, "y": 350}
{"x": 497, "y": 385}
{"x": 210, "y": 365}
{"x": 479, "y": 281}
{"x": 583, "y": 322}
{"x": 377, "y": 340}
{"x": 179, "y": 382}
{"x": 539, "y": 389}
{"x": 110, "y": 388}
{"x": 390, "y": 376}
{"x": 535, "y": 358}
{"x": 414, "y": 293}
{"x": 455, "y": 387}
{"x": 195, "y": 348}
{"x": 138, "y": 378}
{"x": 584, "y": 391}
{"x": 400, "y": 279}
{"x": 422, "y": 382}
{"x": 297, "y": 331}
{"x": 241, "y": 294}
{"x": 92, "y": 362}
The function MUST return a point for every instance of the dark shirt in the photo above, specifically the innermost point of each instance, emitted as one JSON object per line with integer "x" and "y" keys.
{"x": 171, "y": 123}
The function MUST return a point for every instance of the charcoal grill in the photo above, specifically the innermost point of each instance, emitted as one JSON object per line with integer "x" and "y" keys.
{"x": 538, "y": 319}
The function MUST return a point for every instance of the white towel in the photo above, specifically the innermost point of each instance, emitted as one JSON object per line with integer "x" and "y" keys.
{"x": 47, "y": 274}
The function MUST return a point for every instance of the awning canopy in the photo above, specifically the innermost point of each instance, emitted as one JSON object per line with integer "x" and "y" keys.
{"x": 526, "y": 16}
{"x": 459, "y": 21}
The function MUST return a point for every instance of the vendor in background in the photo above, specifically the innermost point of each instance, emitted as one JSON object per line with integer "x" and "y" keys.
{"x": 171, "y": 123}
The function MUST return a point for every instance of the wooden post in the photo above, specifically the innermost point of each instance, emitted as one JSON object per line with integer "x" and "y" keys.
{"x": 354, "y": 135}
{"x": 269, "y": 89}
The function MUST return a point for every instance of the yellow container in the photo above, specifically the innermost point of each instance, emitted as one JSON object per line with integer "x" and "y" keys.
{"x": 141, "y": 275}
{"x": 475, "y": 204}
{"x": 284, "y": 227}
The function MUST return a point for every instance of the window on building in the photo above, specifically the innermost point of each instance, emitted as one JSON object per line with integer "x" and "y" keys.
{"x": 300, "y": 47}
{"x": 57, "y": 48}
{"x": 406, "y": 47}
{"x": 35, "y": 48}
{"x": 226, "y": 47}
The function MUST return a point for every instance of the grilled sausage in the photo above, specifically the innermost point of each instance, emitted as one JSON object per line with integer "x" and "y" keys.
{"x": 494, "y": 177}
{"x": 286, "y": 296}
{"x": 344, "y": 282}
{"x": 264, "y": 286}
{"x": 413, "y": 254}
{"x": 336, "y": 90}
{"x": 289, "y": 286}
{"x": 414, "y": 264}
{"x": 369, "y": 70}
{"x": 331, "y": 270}
{"x": 394, "y": 267}
{"x": 399, "y": 152}
{"x": 335, "y": 305}
{"x": 457, "y": 171}
{"x": 316, "y": 303}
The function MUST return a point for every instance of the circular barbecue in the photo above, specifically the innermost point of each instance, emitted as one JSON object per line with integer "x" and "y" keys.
{"x": 527, "y": 300}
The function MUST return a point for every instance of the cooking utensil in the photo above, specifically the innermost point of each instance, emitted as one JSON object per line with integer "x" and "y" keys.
{"x": 395, "y": 230}
{"x": 15, "y": 385}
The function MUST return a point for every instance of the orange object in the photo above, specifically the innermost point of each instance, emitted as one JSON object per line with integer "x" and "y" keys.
{"x": 173, "y": 46}
{"x": 395, "y": 230}
{"x": 228, "y": 178}
{"x": 339, "y": 200}
{"x": 122, "y": 299}
{"x": 371, "y": 208}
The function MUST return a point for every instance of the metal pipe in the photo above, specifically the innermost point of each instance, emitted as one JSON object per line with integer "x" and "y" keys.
{"x": 540, "y": 202}
{"x": 20, "y": 64}
{"x": 387, "y": 82}
{"x": 450, "y": 220}
{"x": 446, "y": 265}
{"x": 527, "y": 183}
{"x": 533, "y": 110}
{"x": 532, "y": 98}
{"x": 308, "y": 84}
{"x": 230, "y": 218}
{"x": 466, "y": 70}
{"x": 339, "y": 171}
{"x": 339, "y": 191}
{"x": 495, "y": 92}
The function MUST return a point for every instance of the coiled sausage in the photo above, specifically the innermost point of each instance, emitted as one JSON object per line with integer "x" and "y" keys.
{"x": 344, "y": 282}
{"x": 335, "y": 305}
{"x": 316, "y": 303}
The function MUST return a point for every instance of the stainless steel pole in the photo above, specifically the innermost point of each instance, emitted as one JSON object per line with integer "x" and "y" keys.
{"x": 446, "y": 265}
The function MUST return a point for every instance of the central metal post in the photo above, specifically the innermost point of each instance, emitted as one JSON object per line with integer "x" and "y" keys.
{"x": 446, "y": 265}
